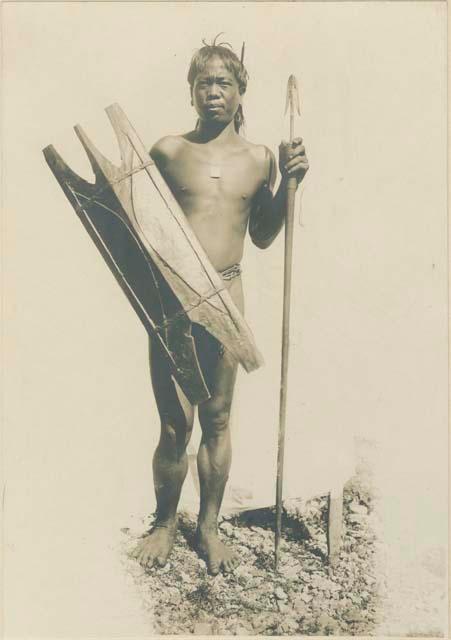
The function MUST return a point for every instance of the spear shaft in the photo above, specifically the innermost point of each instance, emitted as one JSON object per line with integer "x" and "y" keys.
{"x": 292, "y": 103}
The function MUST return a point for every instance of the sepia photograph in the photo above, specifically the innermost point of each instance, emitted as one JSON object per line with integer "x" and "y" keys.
{"x": 225, "y": 319}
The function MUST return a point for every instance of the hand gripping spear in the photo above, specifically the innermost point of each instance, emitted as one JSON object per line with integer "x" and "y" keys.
{"x": 292, "y": 103}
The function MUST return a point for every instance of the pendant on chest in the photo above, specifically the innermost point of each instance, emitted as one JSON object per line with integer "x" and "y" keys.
{"x": 215, "y": 171}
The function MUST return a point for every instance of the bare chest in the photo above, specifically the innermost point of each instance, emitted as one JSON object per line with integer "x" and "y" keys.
{"x": 197, "y": 176}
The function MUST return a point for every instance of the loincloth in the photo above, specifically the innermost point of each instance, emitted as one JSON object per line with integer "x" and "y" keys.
{"x": 209, "y": 343}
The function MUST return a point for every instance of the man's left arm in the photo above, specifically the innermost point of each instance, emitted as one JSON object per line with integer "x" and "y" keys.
{"x": 268, "y": 211}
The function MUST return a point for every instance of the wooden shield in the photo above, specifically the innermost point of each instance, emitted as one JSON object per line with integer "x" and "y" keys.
{"x": 143, "y": 235}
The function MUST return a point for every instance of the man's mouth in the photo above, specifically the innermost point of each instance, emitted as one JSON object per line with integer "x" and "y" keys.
{"x": 213, "y": 107}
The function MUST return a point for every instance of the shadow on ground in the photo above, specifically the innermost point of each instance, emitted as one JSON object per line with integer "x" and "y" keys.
{"x": 306, "y": 597}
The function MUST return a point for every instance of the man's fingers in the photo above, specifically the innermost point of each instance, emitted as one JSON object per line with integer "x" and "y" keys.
{"x": 294, "y": 162}
{"x": 304, "y": 167}
{"x": 286, "y": 143}
{"x": 299, "y": 152}
{"x": 299, "y": 166}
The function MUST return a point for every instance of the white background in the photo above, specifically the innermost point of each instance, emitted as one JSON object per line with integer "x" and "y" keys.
{"x": 369, "y": 354}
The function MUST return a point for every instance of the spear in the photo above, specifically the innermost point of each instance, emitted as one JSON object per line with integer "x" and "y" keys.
{"x": 292, "y": 104}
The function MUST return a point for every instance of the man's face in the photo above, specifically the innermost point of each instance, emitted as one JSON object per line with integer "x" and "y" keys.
{"x": 215, "y": 93}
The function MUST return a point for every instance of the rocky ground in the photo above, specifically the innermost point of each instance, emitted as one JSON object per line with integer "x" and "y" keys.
{"x": 307, "y": 596}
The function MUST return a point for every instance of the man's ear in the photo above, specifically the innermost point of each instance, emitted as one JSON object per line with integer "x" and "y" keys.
{"x": 191, "y": 94}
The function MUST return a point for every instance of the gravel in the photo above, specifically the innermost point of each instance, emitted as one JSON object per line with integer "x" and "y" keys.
{"x": 306, "y": 597}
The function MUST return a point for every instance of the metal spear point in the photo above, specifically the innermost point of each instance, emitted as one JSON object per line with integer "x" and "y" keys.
{"x": 293, "y": 105}
{"x": 292, "y": 102}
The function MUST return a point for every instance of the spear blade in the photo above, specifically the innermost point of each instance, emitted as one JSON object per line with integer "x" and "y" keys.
{"x": 292, "y": 101}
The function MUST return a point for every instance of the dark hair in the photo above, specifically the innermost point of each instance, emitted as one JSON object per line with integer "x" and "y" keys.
{"x": 231, "y": 62}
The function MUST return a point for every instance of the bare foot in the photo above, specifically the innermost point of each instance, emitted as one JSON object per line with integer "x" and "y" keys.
{"x": 214, "y": 552}
{"x": 154, "y": 548}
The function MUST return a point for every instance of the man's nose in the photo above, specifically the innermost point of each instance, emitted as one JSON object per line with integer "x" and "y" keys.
{"x": 213, "y": 91}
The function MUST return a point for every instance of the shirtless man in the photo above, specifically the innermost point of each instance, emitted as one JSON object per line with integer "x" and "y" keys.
{"x": 223, "y": 184}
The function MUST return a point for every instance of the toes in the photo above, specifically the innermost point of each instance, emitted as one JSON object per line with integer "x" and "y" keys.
{"x": 148, "y": 562}
{"x": 213, "y": 568}
{"x": 227, "y": 567}
{"x": 145, "y": 559}
{"x": 161, "y": 561}
{"x": 230, "y": 563}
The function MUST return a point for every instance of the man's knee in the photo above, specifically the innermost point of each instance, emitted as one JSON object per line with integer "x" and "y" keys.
{"x": 215, "y": 420}
{"x": 175, "y": 434}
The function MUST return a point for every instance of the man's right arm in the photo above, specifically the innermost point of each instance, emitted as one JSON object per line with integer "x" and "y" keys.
{"x": 164, "y": 151}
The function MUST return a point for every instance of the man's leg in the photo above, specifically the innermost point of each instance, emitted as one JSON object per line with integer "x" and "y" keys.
{"x": 213, "y": 460}
{"x": 170, "y": 462}
{"x": 214, "y": 456}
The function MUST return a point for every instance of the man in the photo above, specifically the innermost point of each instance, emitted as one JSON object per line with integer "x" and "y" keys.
{"x": 223, "y": 184}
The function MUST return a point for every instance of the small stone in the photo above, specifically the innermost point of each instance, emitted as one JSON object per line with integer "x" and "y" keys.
{"x": 256, "y": 573}
{"x": 242, "y": 572}
{"x": 356, "y": 518}
{"x": 356, "y": 599}
{"x": 291, "y": 572}
{"x": 185, "y": 577}
{"x": 355, "y": 507}
{"x": 300, "y": 606}
{"x": 343, "y": 604}
{"x": 304, "y": 576}
{"x": 262, "y": 622}
{"x": 353, "y": 615}
{"x": 306, "y": 597}
{"x": 227, "y": 528}
{"x": 175, "y": 598}
{"x": 283, "y": 608}
{"x": 328, "y": 626}
{"x": 289, "y": 626}
{"x": 280, "y": 594}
